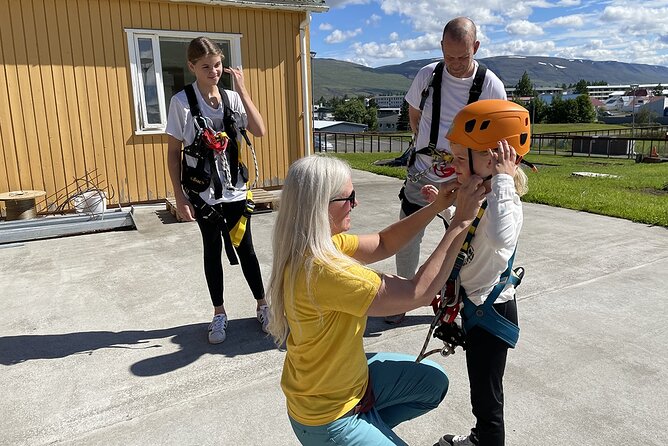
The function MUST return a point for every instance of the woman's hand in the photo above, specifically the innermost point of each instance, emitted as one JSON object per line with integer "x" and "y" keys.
{"x": 470, "y": 196}
{"x": 503, "y": 159}
{"x": 445, "y": 195}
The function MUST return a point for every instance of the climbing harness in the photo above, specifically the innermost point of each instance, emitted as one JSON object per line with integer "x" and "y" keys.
{"x": 446, "y": 308}
{"x": 486, "y": 316}
{"x": 440, "y": 160}
{"x": 207, "y": 148}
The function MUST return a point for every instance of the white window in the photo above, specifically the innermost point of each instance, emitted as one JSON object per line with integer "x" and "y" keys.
{"x": 158, "y": 70}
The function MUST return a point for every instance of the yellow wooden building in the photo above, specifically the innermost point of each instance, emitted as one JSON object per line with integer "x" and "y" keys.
{"x": 85, "y": 87}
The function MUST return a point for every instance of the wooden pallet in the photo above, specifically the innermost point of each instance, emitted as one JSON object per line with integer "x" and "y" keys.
{"x": 265, "y": 201}
{"x": 170, "y": 203}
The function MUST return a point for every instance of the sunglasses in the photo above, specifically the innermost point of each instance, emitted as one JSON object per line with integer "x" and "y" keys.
{"x": 350, "y": 198}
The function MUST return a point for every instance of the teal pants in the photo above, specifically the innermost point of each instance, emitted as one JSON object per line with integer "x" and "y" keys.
{"x": 403, "y": 389}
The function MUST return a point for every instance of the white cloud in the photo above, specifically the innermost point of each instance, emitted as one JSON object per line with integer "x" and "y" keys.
{"x": 427, "y": 42}
{"x": 325, "y": 27}
{"x": 338, "y": 36}
{"x": 380, "y": 51}
{"x": 524, "y": 28}
{"x": 343, "y": 3}
{"x": 639, "y": 20}
{"x": 624, "y": 30}
{"x": 374, "y": 19}
{"x": 527, "y": 48}
{"x": 569, "y": 21}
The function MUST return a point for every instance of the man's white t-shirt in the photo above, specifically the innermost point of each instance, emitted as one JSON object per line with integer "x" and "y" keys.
{"x": 454, "y": 96}
{"x": 180, "y": 125}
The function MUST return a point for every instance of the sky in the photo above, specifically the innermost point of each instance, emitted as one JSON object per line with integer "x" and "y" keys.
{"x": 387, "y": 32}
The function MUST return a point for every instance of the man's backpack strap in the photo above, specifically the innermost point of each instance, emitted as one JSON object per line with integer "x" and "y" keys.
{"x": 436, "y": 105}
{"x": 434, "y": 82}
{"x": 478, "y": 80}
{"x": 425, "y": 92}
{"x": 196, "y": 113}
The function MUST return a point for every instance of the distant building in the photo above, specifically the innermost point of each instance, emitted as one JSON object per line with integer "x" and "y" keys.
{"x": 625, "y": 104}
{"x": 549, "y": 97}
{"x": 389, "y": 101}
{"x": 510, "y": 91}
{"x": 323, "y": 113}
{"x": 339, "y": 127}
{"x": 657, "y": 106}
{"x": 605, "y": 91}
{"x": 388, "y": 119}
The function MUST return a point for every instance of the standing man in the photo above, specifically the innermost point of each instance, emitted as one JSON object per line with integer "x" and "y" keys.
{"x": 462, "y": 80}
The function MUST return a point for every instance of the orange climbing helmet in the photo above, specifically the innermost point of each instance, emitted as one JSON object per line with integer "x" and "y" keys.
{"x": 479, "y": 126}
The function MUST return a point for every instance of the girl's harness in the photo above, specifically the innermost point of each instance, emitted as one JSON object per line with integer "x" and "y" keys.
{"x": 453, "y": 297}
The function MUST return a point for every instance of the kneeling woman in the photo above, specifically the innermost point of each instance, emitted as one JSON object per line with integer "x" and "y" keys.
{"x": 321, "y": 294}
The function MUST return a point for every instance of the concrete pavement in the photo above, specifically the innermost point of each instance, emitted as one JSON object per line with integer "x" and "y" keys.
{"x": 103, "y": 337}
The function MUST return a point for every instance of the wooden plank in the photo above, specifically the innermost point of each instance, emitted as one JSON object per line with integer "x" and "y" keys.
{"x": 71, "y": 138}
{"x": 89, "y": 22}
{"x": 145, "y": 142}
{"x": 121, "y": 123}
{"x": 43, "y": 98}
{"x": 57, "y": 107}
{"x": 170, "y": 205}
{"x": 130, "y": 192}
{"x": 277, "y": 170}
{"x": 84, "y": 140}
{"x": 9, "y": 173}
{"x": 22, "y": 104}
{"x": 109, "y": 111}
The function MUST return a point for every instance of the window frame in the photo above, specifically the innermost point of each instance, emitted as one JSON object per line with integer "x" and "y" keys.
{"x": 142, "y": 127}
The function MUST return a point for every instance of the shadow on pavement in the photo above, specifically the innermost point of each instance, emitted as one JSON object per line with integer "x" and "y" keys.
{"x": 247, "y": 338}
{"x": 375, "y": 326}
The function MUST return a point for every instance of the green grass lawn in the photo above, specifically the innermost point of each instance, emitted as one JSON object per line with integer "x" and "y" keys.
{"x": 553, "y": 128}
{"x": 639, "y": 193}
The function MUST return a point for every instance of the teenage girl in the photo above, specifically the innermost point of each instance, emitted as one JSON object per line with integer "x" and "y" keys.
{"x": 205, "y": 61}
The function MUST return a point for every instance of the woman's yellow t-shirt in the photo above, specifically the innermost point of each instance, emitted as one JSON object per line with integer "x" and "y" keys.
{"x": 325, "y": 372}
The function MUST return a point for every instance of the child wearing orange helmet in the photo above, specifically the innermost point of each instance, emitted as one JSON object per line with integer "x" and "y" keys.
{"x": 488, "y": 138}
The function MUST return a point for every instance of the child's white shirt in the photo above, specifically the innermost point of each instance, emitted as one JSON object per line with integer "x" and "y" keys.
{"x": 494, "y": 242}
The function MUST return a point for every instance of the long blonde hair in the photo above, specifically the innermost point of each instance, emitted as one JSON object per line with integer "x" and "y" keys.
{"x": 302, "y": 235}
{"x": 521, "y": 181}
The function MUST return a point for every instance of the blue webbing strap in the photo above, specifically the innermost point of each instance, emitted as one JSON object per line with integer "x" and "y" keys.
{"x": 487, "y": 317}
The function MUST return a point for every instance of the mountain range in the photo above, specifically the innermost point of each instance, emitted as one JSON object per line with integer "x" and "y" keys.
{"x": 333, "y": 77}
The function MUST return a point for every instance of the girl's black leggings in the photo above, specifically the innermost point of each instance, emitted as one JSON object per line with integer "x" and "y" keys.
{"x": 212, "y": 242}
{"x": 486, "y": 363}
